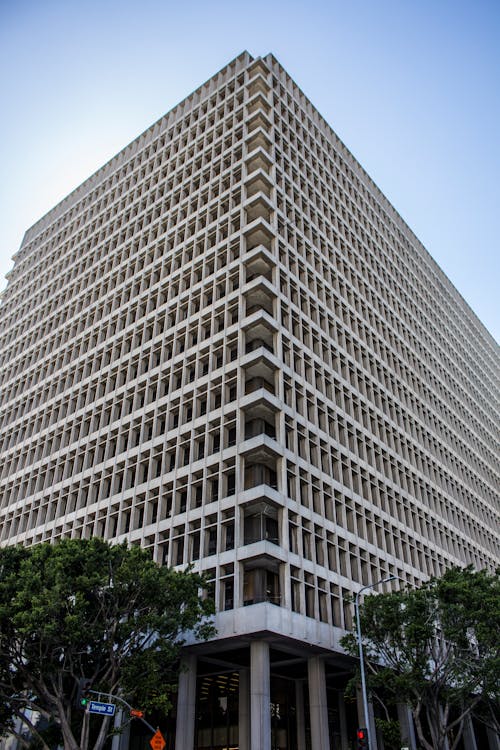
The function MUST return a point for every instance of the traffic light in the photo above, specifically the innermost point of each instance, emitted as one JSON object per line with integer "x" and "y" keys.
{"x": 362, "y": 739}
{"x": 83, "y": 695}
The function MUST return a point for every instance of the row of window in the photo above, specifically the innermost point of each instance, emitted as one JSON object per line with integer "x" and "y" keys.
{"x": 152, "y": 414}
{"x": 170, "y": 153}
{"x": 401, "y": 248}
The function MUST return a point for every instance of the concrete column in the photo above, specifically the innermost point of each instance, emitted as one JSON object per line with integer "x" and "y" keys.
{"x": 186, "y": 704}
{"x": 320, "y": 739}
{"x": 299, "y": 706}
{"x": 244, "y": 710}
{"x": 469, "y": 738}
{"x": 10, "y": 742}
{"x": 373, "y": 727}
{"x": 121, "y": 741}
{"x": 260, "y": 697}
{"x": 493, "y": 739}
{"x": 344, "y": 737}
{"x": 407, "y": 728}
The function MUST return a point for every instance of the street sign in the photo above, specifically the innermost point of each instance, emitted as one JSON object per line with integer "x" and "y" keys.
{"x": 157, "y": 742}
{"x": 105, "y": 709}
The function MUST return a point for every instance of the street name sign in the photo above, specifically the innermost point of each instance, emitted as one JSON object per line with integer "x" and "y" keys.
{"x": 105, "y": 709}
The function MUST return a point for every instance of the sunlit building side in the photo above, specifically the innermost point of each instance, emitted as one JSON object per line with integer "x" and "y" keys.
{"x": 227, "y": 347}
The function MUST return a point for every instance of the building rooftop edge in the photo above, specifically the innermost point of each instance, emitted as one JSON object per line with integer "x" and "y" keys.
{"x": 270, "y": 59}
{"x": 89, "y": 181}
{"x": 386, "y": 204}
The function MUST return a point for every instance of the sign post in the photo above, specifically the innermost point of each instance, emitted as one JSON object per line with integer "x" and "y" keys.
{"x": 138, "y": 714}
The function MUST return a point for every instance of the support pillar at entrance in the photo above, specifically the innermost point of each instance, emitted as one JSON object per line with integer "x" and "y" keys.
{"x": 301, "y": 724}
{"x": 344, "y": 737}
{"x": 244, "y": 710}
{"x": 493, "y": 739}
{"x": 469, "y": 738}
{"x": 320, "y": 739}
{"x": 371, "y": 718}
{"x": 407, "y": 728}
{"x": 186, "y": 704}
{"x": 260, "y": 697}
{"x": 121, "y": 741}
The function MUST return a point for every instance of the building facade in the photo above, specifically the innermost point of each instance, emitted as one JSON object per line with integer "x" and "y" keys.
{"x": 226, "y": 346}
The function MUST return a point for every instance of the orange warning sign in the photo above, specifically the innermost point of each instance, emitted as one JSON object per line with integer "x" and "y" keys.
{"x": 157, "y": 742}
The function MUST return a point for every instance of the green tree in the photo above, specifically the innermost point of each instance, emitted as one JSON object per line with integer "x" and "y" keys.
{"x": 436, "y": 648}
{"x": 88, "y": 609}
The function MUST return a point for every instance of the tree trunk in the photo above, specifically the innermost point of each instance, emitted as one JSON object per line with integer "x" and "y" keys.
{"x": 103, "y": 734}
{"x": 420, "y": 731}
{"x": 459, "y": 734}
{"x": 84, "y": 736}
{"x": 69, "y": 740}
{"x": 32, "y": 729}
{"x": 21, "y": 738}
{"x": 437, "y": 721}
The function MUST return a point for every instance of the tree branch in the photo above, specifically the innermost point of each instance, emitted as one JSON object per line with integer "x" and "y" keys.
{"x": 32, "y": 728}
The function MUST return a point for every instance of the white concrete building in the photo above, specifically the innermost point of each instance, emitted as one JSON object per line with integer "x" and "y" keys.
{"x": 226, "y": 346}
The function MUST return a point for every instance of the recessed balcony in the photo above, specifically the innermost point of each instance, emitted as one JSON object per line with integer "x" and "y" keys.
{"x": 261, "y": 584}
{"x": 258, "y": 84}
{"x": 260, "y": 297}
{"x": 256, "y": 102}
{"x": 261, "y": 473}
{"x": 259, "y": 119}
{"x": 259, "y": 182}
{"x": 258, "y": 138}
{"x": 261, "y": 523}
{"x": 258, "y": 207}
{"x": 260, "y": 330}
{"x": 258, "y": 261}
{"x": 258, "y": 159}
{"x": 260, "y": 367}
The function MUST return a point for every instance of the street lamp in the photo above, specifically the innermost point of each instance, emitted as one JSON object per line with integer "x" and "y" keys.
{"x": 361, "y": 658}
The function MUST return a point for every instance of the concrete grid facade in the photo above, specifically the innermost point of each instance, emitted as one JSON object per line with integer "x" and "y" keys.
{"x": 227, "y": 347}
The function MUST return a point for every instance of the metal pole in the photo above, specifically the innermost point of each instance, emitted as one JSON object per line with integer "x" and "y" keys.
{"x": 122, "y": 700}
{"x": 361, "y": 657}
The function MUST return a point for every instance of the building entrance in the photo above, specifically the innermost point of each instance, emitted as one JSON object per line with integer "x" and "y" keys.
{"x": 217, "y": 713}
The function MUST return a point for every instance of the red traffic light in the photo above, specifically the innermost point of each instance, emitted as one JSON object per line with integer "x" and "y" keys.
{"x": 136, "y": 714}
{"x": 362, "y": 739}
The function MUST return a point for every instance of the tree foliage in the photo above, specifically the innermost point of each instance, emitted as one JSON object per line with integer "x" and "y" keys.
{"x": 88, "y": 609}
{"x": 437, "y": 649}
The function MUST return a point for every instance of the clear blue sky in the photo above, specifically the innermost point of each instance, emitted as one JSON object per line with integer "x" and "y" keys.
{"x": 411, "y": 86}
